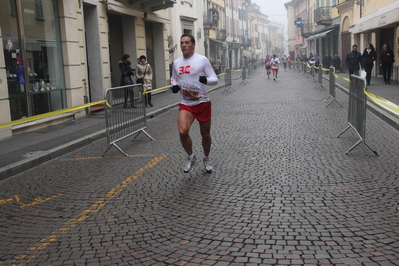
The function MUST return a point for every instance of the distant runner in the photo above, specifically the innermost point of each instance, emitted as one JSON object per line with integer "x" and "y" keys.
{"x": 268, "y": 66}
{"x": 275, "y": 65}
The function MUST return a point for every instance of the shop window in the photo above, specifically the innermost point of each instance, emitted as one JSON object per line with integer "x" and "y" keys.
{"x": 35, "y": 76}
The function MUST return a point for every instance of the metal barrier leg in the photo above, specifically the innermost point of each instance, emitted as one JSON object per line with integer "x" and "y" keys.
{"x": 228, "y": 82}
{"x": 358, "y": 142}
{"x": 244, "y": 77}
{"x": 333, "y": 100}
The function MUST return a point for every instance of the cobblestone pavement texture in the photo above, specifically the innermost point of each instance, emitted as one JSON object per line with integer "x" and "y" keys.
{"x": 282, "y": 191}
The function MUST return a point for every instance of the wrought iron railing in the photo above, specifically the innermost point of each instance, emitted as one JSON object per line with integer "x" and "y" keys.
{"x": 322, "y": 13}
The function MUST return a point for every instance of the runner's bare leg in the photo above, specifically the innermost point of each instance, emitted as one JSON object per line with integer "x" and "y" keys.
{"x": 184, "y": 121}
{"x": 205, "y": 128}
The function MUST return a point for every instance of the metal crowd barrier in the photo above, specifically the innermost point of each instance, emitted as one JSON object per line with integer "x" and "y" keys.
{"x": 312, "y": 73}
{"x": 244, "y": 76}
{"x": 357, "y": 111}
{"x": 320, "y": 78}
{"x": 228, "y": 82}
{"x": 125, "y": 114}
{"x": 331, "y": 88}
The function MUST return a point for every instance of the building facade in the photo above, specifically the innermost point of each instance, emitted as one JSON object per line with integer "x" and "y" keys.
{"x": 64, "y": 53}
{"x": 59, "y": 54}
{"x": 333, "y": 26}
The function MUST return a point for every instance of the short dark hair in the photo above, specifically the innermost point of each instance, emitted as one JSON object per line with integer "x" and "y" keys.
{"x": 190, "y": 36}
{"x": 355, "y": 45}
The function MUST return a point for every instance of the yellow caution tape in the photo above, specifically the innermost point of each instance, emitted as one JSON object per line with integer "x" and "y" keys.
{"x": 325, "y": 69}
{"x": 390, "y": 106}
{"x": 335, "y": 75}
{"x": 58, "y": 112}
{"x": 145, "y": 92}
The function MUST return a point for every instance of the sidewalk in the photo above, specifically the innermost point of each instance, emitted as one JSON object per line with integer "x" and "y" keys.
{"x": 26, "y": 150}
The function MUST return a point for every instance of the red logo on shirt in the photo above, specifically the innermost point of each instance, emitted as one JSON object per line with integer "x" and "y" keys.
{"x": 185, "y": 70}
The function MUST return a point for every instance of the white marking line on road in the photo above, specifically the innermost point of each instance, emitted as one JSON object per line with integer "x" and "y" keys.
{"x": 32, "y": 252}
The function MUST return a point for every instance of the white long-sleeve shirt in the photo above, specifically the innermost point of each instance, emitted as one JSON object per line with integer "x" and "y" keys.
{"x": 186, "y": 73}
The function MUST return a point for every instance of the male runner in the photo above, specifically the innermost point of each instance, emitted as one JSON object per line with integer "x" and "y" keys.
{"x": 190, "y": 75}
{"x": 275, "y": 64}
{"x": 268, "y": 66}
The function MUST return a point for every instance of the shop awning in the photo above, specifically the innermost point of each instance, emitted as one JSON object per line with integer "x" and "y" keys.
{"x": 216, "y": 40}
{"x": 120, "y": 8}
{"x": 386, "y": 15}
{"x": 311, "y": 37}
{"x": 319, "y": 35}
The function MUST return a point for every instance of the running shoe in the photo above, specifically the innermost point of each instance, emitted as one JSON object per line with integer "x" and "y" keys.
{"x": 207, "y": 165}
{"x": 190, "y": 164}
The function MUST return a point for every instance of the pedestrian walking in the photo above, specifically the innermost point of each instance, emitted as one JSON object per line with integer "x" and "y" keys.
{"x": 298, "y": 60}
{"x": 126, "y": 79}
{"x": 369, "y": 56}
{"x": 144, "y": 76}
{"x": 327, "y": 61}
{"x": 285, "y": 60}
{"x": 387, "y": 58}
{"x": 289, "y": 62}
{"x": 190, "y": 74}
{"x": 354, "y": 61}
{"x": 337, "y": 62}
{"x": 275, "y": 62}
{"x": 315, "y": 60}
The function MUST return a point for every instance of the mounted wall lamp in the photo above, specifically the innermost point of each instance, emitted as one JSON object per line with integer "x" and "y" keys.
{"x": 199, "y": 34}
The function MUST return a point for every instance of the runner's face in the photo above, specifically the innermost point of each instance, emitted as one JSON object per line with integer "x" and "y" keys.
{"x": 187, "y": 47}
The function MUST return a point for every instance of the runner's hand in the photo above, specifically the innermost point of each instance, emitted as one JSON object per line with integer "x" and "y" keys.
{"x": 175, "y": 89}
{"x": 203, "y": 79}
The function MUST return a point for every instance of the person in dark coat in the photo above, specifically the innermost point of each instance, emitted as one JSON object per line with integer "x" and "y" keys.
{"x": 315, "y": 60}
{"x": 327, "y": 61}
{"x": 369, "y": 56}
{"x": 337, "y": 62}
{"x": 126, "y": 79}
{"x": 354, "y": 61}
{"x": 387, "y": 57}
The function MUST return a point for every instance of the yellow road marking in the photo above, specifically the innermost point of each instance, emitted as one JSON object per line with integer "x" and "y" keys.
{"x": 69, "y": 225}
{"x": 13, "y": 198}
{"x": 38, "y": 201}
{"x": 106, "y": 157}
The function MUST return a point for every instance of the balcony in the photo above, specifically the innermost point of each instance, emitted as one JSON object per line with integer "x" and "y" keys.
{"x": 246, "y": 42}
{"x": 153, "y": 5}
{"x": 307, "y": 30}
{"x": 221, "y": 35}
{"x": 210, "y": 20}
{"x": 322, "y": 16}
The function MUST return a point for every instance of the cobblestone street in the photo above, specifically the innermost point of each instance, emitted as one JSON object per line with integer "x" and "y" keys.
{"x": 282, "y": 192}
